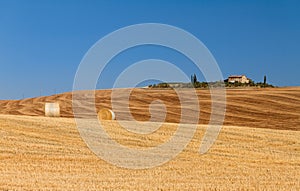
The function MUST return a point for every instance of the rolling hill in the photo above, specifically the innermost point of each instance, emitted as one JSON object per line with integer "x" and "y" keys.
{"x": 258, "y": 147}
{"x": 274, "y": 108}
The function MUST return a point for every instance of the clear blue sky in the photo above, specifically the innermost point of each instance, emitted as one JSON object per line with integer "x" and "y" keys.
{"x": 43, "y": 42}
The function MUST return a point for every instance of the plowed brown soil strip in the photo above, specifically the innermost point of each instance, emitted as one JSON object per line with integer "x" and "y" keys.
{"x": 274, "y": 108}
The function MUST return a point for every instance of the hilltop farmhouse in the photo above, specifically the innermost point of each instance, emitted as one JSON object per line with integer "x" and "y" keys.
{"x": 231, "y": 82}
{"x": 238, "y": 78}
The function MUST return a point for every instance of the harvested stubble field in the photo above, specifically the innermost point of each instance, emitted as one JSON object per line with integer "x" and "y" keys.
{"x": 257, "y": 149}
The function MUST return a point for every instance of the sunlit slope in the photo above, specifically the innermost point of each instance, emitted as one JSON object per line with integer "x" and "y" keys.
{"x": 275, "y": 108}
{"x": 48, "y": 153}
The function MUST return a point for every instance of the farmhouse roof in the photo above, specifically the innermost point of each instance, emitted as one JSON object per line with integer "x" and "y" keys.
{"x": 236, "y": 76}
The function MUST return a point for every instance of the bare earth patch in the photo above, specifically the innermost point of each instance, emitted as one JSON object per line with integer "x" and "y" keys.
{"x": 273, "y": 108}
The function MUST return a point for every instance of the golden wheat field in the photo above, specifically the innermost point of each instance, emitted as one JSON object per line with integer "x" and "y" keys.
{"x": 258, "y": 147}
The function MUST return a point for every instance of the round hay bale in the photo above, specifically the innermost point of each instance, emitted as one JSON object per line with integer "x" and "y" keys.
{"x": 52, "y": 110}
{"x": 106, "y": 114}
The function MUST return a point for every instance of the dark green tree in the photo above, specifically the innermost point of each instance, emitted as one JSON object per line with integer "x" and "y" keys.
{"x": 194, "y": 79}
{"x": 265, "y": 81}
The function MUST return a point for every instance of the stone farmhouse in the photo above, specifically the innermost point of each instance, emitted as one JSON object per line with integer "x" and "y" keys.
{"x": 238, "y": 78}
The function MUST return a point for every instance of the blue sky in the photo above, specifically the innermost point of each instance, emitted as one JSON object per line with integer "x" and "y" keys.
{"x": 43, "y": 42}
